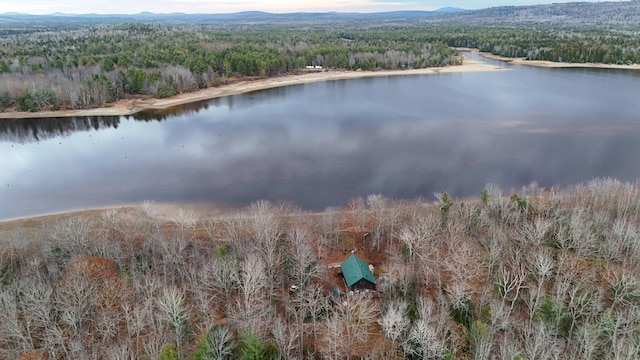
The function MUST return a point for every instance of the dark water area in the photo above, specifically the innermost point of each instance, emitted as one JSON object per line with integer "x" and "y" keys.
{"x": 321, "y": 144}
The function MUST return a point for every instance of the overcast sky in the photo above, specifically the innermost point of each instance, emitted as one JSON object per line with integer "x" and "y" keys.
{"x": 226, "y": 6}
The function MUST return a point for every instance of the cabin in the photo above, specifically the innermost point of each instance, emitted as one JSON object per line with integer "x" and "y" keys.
{"x": 357, "y": 274}
{"x": 314, "y": 68}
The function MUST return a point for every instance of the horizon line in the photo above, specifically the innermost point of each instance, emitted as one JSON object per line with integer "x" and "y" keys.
{"x": 15, "y": 13}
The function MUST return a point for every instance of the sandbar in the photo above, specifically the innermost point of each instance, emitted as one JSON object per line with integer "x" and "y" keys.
{"x": 132, "y": 106}
{"x": 550, "y": 64}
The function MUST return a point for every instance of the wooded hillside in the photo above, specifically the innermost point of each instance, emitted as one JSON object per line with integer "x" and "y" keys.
{"x": 534, "y": 274}
{"x": 80, "y": 68}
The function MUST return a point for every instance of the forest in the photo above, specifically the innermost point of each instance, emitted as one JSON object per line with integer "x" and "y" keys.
{"x": 95, "y": 66}
{"x": 538, "y": 273}
{"x": 78, "y": 62}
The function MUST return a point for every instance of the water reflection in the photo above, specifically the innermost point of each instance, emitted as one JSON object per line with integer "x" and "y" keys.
{"x": 321, "y": 144}
{"x": 37, "y": 129}
{"x": 163, "y": 114}
{"x": 244, "y": 100}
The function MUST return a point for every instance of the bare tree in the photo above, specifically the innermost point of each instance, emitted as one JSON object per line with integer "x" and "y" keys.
{"x": 216, "y": 344}
{"x": 538, "y": 341}
{"x": 509, "y": 284}
{"x": 508, "y": 345}
{"x": 56, "y": 342}
{"x": 398, "y": 276}
{"x": 285, "y": 337}
{"x": 359, "y": 316}
{"x": 624, "y": 241}
{"x": 384, "y": 218}
{"x": 250, "y": 307}
{"x": 535, "y": 233}
{"x": 541, "y": 268}
{"x": 479, "y": 336}
{"x": 72, "y": 235}
{"x": 583, "y": 240}
{"x": 333, "y": 338}
{"x": 331, "y": 221}
{"x": 13, "y": 338}
{"x": 151, "y": 211}
{"x": 172, "y": 305}
{"x": 214, "y": 228}
{"x": 236, "y": 227}
{"x": 74, "y": 304}
{"x": 267, "y": 231}
{"x": 34, "y": 295}
{"x": 222, "y": 277}
{"x": 587, "y": 343}
{"x": 499, "y": 316}
{"x": 123, "y": 235}
{"x": 312, "y": 303}
{"x": 393, "y": 322}
{"x": 137, "y": 318}
{"x": 304, "y": 262}
{"x": 119, "y": 352}
{"x": 419, "y": 238}
{"x": 423, "y": 341}
{"x": 186, "y": 223}
{"x": 356, "y": 216}
{"x": 625, "y": 289}
{"x": 463, "y": 262}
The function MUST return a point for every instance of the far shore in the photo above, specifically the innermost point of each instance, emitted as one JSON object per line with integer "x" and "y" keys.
{"x": 549, "y": 64}
{"x": 132, "y": 106}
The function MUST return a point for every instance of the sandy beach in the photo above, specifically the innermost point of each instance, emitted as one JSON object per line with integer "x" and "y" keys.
{"x": 132, "y": 106}
{"x": 129, "y": 106}
{"x": 550, "y": 64}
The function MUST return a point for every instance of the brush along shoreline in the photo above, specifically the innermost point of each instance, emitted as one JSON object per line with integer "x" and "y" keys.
{"x": 132, "y": 106}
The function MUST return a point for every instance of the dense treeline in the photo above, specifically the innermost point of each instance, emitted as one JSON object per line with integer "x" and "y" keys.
{"x": 578, "y": 32}
{"x": 580, "y": 44}
{"x": 558, "y": 45}
{"x": 81, "y": 68}
{"x": 537, "y": 274}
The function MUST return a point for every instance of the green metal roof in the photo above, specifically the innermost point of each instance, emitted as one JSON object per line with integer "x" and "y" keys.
{"x": 355, "y": 269}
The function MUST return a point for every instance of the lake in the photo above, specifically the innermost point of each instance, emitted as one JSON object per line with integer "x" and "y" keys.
{"x": 321, "y": 144}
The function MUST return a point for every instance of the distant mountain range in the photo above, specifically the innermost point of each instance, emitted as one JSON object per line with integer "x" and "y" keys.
{"x": 613, "y": 13}
{"x": 250, "y": 16}
{"x": 241, "y": 14}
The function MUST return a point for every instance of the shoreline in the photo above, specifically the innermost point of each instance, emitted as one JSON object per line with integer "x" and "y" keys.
{"x": 549, "y": 64}
{"x": 166, "y": 211}
{"x": 124, "y": 107}
{"x": 131, "y": 106}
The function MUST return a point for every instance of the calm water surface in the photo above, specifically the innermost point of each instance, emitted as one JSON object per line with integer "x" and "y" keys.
{"x": 324, "y": 143}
